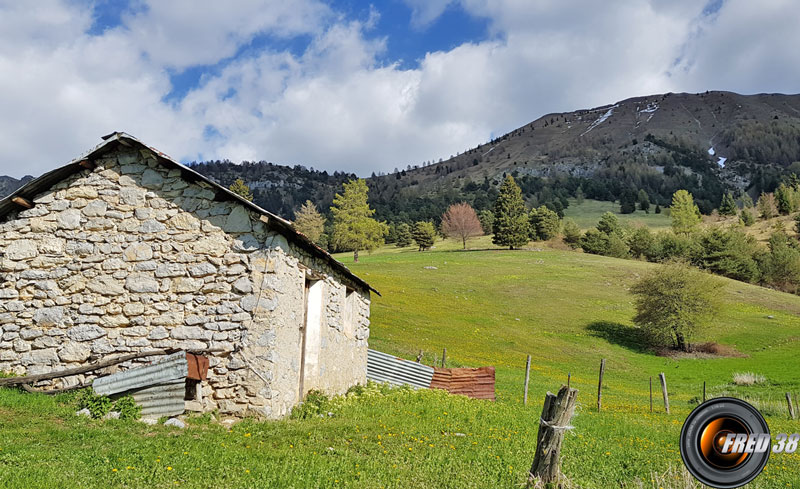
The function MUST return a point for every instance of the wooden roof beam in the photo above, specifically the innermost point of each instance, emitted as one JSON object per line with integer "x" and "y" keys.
{"x": 22, "y": 202}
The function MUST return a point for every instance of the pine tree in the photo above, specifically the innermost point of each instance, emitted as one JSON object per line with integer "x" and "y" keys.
{"x": 644, "y": 201}
{"x": 684, "y": 213}
{"x": 746, "y": 217}
{"x": 658, "y": 209}
{"x": 766, "y": 206}
{"x": 579, "y": 195}
{"x": 511, "y": 227}
{"x": 403, "y": 238}
{"x": 786, "y": 199}
{"x": 240, "y": 188}
{"x": 627, "y": 202}
{"x": 309, "y": 221}
{"x": 728, "y": 205}
{"x": 424, "y": 234}
{"x": 545, "y": 224}
{"x": 747, "y": 201}
{"x": 353, "y": 226}
{"x": 609, "y": 224}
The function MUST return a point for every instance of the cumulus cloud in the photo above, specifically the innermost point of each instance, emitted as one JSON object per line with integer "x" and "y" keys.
{"x": 336, "y": 103}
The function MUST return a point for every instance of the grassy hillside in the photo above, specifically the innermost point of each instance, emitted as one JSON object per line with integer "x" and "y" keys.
{"x": 588, "y": 213}
{"x": 487, "y": 307}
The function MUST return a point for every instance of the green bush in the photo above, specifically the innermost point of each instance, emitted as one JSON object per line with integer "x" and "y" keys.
{"x": 671, "y": 246}
{"x": 314, "y": 405}
{"x": 98, "y": 406}
{"x": 127, "y": 407}
{"x": 641, "y": 242}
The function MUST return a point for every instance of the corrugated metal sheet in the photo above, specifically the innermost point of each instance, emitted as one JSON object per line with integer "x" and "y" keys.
{"x": 170, "y": 368}
{"x": 161, "y": 400}
{"x": 382, "y": 367}
{"x": 477, "y": 383}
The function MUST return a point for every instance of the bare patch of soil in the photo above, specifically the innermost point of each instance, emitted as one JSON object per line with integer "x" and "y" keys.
{"x": 702, "y": 350}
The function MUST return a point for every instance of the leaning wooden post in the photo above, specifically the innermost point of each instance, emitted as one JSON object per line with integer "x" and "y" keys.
{"x": 556, "y": 415}
{"x": 664, "y": 391}
{"x": 651, "y": 393}
{"x": 444, "y": 356}
{"x": 600, "y": 385}
{"x": 789, "y": 402}
{"x": 527, "y": 377}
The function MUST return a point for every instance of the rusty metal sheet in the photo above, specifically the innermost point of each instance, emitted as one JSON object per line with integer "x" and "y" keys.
{"x": 198, "y": 367}
{"x": 382, "y": 367}
{"x": 477, "y": 383}
{"x": 170, "y": 368}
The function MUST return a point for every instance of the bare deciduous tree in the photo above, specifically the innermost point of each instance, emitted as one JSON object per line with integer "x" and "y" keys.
{"x": 461, "y": 221}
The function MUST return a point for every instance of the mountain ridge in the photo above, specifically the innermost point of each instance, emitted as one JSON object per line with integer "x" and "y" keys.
{"x": 708, "y": 143}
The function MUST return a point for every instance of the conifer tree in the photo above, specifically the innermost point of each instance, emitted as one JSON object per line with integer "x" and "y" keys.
{"x": 684, "y": 213}
{"x": 309, "y": 221}
{"x": 353, "y": 226}
{"x": 644, "y": 201}
{"x": 424, "y": 234}
{"x": 728, "y": 205}
{"x": 403, "y": 235}
{"x": 511, "y": 227}
{"x": 240, "y": 188}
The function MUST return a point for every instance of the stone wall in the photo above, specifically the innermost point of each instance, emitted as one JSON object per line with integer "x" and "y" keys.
{"x": 130, "y": 256}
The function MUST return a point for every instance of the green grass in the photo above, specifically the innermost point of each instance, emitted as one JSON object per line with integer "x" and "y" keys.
{"x": 487, "y": 307}
{"x": 588, "y": 213}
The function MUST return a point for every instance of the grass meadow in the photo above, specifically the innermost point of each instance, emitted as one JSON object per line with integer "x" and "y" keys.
{"x": 568, "y": 310}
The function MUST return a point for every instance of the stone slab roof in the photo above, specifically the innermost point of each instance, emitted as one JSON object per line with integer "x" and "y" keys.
{"x": 112, "y": 141}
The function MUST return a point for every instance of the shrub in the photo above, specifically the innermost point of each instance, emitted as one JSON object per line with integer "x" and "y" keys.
{"x": 127, "y": 407}
{"x": 314, "y": 405}
{"x": 673, "y": 302}
{"x": 641, "y": 242}
{"x": 671, "y": 246}
{"x": 98, "y": 406}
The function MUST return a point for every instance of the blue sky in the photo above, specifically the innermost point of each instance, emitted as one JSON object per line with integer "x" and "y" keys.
{"x": 354, "y": 86}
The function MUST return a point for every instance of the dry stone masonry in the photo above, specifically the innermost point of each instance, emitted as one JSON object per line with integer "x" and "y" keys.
{"x": 130, "y": 256}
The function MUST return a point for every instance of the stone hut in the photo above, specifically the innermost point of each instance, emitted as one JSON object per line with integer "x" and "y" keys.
{"x": 125, "y": 250}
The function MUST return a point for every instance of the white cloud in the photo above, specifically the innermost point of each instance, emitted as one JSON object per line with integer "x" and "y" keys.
{"x": 336, "y": 105}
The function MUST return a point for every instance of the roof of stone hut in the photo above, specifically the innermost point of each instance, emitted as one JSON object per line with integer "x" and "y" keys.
{"x": 116, "y": 139}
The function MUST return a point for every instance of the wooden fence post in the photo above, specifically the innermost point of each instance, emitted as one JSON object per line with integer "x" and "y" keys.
{"x": 569, "y": 377}
{"x": 651, "y": 393}
{"x": 789, "y": 402}
{"x": 663, "y": 379}
{"x": 444, "y": 356}
{"x": 527, "y": 377}
{"x": 600, "y": 385}
{"x": 556, "y": 415}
